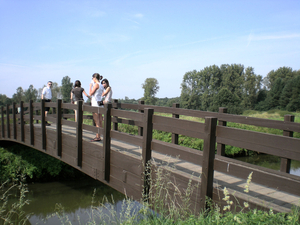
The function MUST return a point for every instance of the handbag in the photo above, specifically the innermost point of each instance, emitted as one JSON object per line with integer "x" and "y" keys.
{"x": 100, "y": 103}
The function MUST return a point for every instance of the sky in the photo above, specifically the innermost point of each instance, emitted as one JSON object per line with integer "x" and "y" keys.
{"x": 129, "y": 41}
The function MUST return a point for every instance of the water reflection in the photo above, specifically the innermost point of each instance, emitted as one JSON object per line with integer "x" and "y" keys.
{"x": 75, "y": 197}
{"x": 272, "y": 162}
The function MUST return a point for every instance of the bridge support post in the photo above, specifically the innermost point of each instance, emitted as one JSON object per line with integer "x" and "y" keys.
{"x": 140, "y": 129}
{"x": 115, "y": 124}
{"x": 79, "y": 133}
{"x": 7, "y": 121}
{"x": 14, "y": 120}
{"x": 31, "y": 122}
{"x": 22, "y": 121}
{"x": 207, "y": 175}
{"x": 106, "y": 140}
{"x": 43, "y": 122}
{"x": 221, "y": 147}
{"x": 58, "y": 127}
{"x": 285, "y": 165}
{"x": 2, "y": 121}
{"x": 146, "y": 151}
{"x": 175, "y": 136}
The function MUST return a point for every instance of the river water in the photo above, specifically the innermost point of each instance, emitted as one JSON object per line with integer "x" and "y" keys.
{"x": 76, "y": 197}
{"x": 269, "y": 161}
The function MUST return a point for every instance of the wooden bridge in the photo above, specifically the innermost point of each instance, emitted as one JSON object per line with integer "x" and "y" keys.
{"x": 119, "y": 159}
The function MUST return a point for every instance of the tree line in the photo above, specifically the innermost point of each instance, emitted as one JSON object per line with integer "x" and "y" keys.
{"x": 232, "y": 86}
{"x": 58, "y": 92}
{"x": 239, "y": 89}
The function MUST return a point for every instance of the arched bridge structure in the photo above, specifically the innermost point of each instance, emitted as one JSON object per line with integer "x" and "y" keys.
{"x": 119, "y": 159}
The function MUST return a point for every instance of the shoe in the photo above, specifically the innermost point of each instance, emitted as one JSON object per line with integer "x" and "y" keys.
{"x": 48, "y": 124}
{"x": 96, "y": 139}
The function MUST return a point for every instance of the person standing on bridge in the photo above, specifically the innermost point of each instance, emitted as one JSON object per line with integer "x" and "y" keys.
{"x": 95, "y": 92}
{"x": 107, "y": 93}
{"x": 76, "y": 95}
{"x": 47, "y": 95}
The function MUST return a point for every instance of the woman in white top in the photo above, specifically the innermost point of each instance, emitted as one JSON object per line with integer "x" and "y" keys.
{"x": 95, "y": 92}
{"x": 107, "y": 93}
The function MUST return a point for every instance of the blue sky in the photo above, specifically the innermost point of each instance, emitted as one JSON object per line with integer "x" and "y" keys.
{"x": 129, "y": 41}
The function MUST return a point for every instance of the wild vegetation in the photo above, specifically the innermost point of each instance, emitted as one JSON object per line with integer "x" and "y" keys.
{"x": 162, "y": 207}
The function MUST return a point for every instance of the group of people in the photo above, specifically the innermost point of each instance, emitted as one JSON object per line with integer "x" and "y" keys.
{"x": 100, "y": 93}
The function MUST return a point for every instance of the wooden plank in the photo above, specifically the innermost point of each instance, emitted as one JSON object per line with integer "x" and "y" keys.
{"x": 7, "y": 121}
{"x": 107, "y": 140}
{"x": 207, "y": 175}
{"x": 59, "y": 127}
{"x": 286, "y": 147}
{"x": 22, "y": 124}
{"x": 93, "y": 109}
{"x": 128, "y": 138}
{"x": 184, "y": 153}
{"x": 179, "y": 126}
{"x": 126, "y": 177}
{"x": 285, "y": 165}
{"x": 126, "y": 162}
{"x": 127, "y": 114}
{"x": 92, "y": 128}
{"x": 125, "y": 188}
{"x": 140, "y": 127}
{"x": 31, "y": 123}
{"x": 221, "y": 147}
{"x": 90, "y": 149}
{"x": 115, "y": 124}
{"x": 268, "y": 177}
{"x": 125, "y": 121}
{"x": 176, "y": 116}
{"x": 14, "y": 120}
{"x": 68, "y": 123}
{"x": 43, "y": 122}
{"x": 146, "y": 150}
{"x": 79, "y": 133}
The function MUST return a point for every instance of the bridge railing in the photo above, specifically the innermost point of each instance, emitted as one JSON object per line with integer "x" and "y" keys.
{"x": 284, "y": 146}
{"x": 212, "y": 133}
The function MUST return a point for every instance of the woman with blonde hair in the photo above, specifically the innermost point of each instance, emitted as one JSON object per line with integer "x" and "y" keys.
{"x": 95, "y": 92}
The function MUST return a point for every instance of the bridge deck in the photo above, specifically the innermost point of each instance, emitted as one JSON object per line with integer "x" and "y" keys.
{"x": 270, "y": 198}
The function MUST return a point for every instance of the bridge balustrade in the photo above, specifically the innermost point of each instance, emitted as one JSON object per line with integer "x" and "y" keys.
{"x": 213, "y": 131}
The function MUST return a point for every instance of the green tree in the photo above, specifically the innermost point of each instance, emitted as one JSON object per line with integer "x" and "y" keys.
{"x": 190, "y": 95}
{"x": 66, "y": 88}
{"x": 285, "y": 73}
{"x": 290, "y": 98}
{"x": 19, "y": 95}
{"x": 251, "y": 88}
{"x": 4, "y": 100}
{"x": 210, "y": 83}
{"x": 30, "y": 94}
{"x": 226, "y": 98}
{"x": 150, "y": 87}
{"x": 233, "y": 78}
{"x": 274, "y": 94}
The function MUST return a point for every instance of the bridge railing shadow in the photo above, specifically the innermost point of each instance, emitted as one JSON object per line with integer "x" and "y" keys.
{"x": 213, "y": 131}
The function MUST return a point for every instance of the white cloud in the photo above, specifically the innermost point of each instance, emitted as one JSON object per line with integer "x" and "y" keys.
{"x": 138, "y": 15}
{"x": 274, "y": 37}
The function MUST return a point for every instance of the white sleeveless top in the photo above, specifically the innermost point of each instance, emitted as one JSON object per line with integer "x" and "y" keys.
{"x": 108, "y": 96}
{"x": 97, "y": 96}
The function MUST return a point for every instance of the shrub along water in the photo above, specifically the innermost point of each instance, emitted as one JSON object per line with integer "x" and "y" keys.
{"x": 16, "y": 159}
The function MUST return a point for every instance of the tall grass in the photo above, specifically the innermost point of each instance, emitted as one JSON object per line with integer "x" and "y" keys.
{"x": 166, "y": 204}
